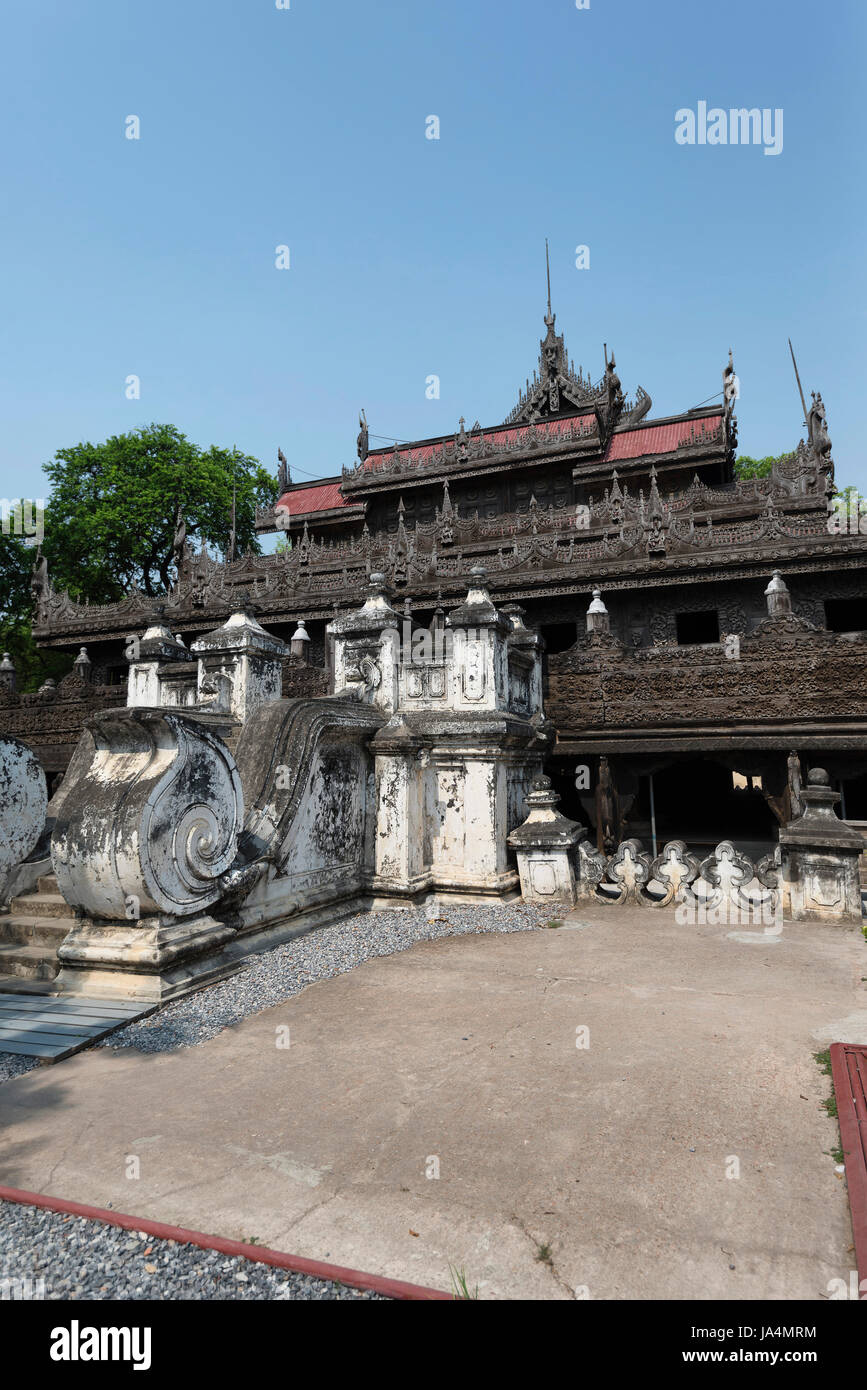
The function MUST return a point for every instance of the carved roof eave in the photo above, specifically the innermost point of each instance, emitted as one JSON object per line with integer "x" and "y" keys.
{"x": 266, "y": 522}
{"x": 617, "y": 573}
{"x": 672, "y": 459}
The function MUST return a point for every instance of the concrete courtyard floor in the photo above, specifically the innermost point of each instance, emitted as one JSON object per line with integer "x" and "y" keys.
{"x": 598, "y": 1169}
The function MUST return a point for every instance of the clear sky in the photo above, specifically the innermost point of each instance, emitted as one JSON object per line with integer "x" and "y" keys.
{"x": 409, "y": 257}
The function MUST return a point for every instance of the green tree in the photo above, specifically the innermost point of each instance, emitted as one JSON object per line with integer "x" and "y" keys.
{"x": 748, "y": 467}
{"x": 31, "y": 664}
{"x": 110, "y": 518}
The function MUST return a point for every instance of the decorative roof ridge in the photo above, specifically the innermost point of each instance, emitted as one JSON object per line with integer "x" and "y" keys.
{"x": 312, "y": 482}
{"x": 406, "y": 446}
{"x": 650, "y": 421}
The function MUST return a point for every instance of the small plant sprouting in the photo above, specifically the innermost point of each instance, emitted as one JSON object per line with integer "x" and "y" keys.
{"x": 460, "y": 1286}
{"x": 823, "y": 1061}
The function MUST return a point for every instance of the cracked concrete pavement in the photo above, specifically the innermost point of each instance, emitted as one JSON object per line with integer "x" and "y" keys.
{"x": 564, "y": 1171}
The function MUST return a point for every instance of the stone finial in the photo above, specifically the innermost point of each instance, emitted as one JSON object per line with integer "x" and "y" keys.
{"x": 515, "y": 615}
{"x": 82, "y": 665}
{"x": 299, "y": 644}
{"x": 597, "y": 614}
{"x": 545, "y": 846}
{"x": 438, "y": 621}
{"x": 778, "y": 598}
{"x": 8, "y": 674}
{"x": 157, "y": 644}
{"x": 478, "y": 609}
{"x": 819, "y": 797}
{"x": 543, "y": 795}
{"x": 377, "y": 593}
{"x": 478, "y": 584}
{"x": 248, "y": 656}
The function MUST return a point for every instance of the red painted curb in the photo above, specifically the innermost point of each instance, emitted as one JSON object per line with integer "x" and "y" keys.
{"x": 354, "y": 1278}
{"x": 849, "y": 1074}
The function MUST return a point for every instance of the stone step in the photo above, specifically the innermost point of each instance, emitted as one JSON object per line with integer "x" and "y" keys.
{"x": 47, "y": 884}
{"x": 29, "y": 962}
{"x": 41, "y": 905}
{"x": 16, "y": 929}
{"x": 21, "y": 984}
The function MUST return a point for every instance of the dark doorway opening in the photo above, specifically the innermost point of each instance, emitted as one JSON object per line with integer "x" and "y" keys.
{"x": 846, "y": 614}
{"x": 564, "y": 773}
{"x": 559, "y": 637}
{"x": 703, "y": 802}
{"x": 855, "y": 797}
{"x": 697, "y": 629}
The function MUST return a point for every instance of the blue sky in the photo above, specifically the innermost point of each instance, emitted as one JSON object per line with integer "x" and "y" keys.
{"x": 410, "y": 257}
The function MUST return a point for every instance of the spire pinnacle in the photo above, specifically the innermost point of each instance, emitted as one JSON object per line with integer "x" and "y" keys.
{"x": 549, "y": 317}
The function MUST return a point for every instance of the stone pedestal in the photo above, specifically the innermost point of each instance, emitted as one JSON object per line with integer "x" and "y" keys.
{"x": 479, "y": 669}
{"x": 821, "y": 854}
{"x": 146, "y": 655}
{"x": 366, "y": 648}
{"x": 545, "y": 846}
{"x": 239, "y": 667}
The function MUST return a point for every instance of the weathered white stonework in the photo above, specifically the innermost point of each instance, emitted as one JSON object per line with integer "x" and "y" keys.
{"x": 142, "y": 840}
{"x": 546, "y": 846}
{"x": 458, "y": 756}
{"x": 821, "y": 854}
{"x": 149, "y": 658}
{"x": 23, "y": 804}
{"x": 180, "y": 856}
{"x": 367, "y": 650}
{"x": 239, "y": 667}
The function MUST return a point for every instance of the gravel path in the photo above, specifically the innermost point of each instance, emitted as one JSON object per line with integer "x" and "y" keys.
{"x": 276, "y": 975}
{"x": 81, "y": 1259}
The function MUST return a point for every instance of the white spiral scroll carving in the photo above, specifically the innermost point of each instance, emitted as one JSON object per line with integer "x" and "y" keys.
{"x": 156, "y": 816}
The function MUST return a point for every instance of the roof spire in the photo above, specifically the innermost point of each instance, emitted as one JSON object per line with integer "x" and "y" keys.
{"x": 550, "y": 317}
{"x": 798, "y": 379}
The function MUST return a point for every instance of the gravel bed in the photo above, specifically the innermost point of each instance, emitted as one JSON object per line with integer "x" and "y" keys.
{"x": 274, "y": 976}
{"x": 82, "y": 1259}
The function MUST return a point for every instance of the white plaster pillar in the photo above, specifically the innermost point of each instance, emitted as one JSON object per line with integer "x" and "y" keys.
{"x": 239, "y": 666}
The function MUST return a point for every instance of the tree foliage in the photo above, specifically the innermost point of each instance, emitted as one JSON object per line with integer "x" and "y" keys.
{"x": 748, "y": 467}
{"x": 110, "y": 517}
{"x": 31, "y": 664}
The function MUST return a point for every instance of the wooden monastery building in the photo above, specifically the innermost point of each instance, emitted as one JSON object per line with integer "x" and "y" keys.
{"x": 700, "y": 630}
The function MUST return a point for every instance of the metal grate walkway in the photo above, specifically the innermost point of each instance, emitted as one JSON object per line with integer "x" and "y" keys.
{"x": 52, "y": 1026}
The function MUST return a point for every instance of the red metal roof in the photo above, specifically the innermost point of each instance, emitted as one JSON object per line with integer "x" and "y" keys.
{"x": 319, "y": 497}
{"x": 652, "y": 439}
{"x": 662, "y": 439}
{"x": 425, "y": 453}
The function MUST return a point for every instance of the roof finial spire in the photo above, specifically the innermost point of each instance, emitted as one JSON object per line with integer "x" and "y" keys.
{"x": 548, "y": 272}
{"x": 798, "y": 379}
